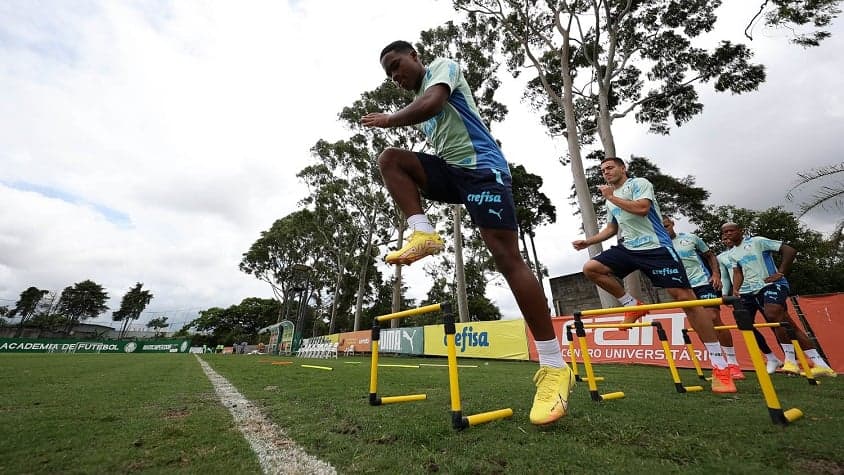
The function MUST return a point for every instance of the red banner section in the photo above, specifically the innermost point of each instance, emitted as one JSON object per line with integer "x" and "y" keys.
{"x": 361, "y": 340}
{"x": 824, "y": 315}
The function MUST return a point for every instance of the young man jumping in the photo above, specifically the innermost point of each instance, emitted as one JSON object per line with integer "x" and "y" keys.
{"x": 468, "y": 167}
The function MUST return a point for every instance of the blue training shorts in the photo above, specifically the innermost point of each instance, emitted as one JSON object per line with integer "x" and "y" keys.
{"x": 661, "y": 266}
{"x": 486, "y": 193}
{"x": 771, "y": 293}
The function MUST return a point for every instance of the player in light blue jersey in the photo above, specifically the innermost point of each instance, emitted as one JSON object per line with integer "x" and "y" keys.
{"x": 633, "y": 213}
{"x": 469, "y": 168}
{"x": 772, "y": 363}
{"x": 761, "y": 285}
{"x": 706, "y": 285}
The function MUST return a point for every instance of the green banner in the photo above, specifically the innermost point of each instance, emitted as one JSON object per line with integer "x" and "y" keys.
{"x": 408, "y": 341}
{"x": 25, "y": 345}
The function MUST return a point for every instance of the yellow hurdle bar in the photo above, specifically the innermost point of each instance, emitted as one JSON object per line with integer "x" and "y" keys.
{"x": 409, "y": 313}
{"x": 489, "y": 416}
{"x": 654, "y": 306}
{"x": 745, "y": 324}
{"x": 801, "y": 356}
{"x": 407, "y": 398}
{"x": 326, "y": 368}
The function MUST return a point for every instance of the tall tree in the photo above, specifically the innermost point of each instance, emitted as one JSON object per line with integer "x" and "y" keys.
{"x": 133, "y": 303}
{"x": 158, "y": 323}
{"x": 795, "y": 14}
{"x": 26, "y": 306}
{"x": 81, "y": 301}
{"x": 273, "y": 257}
{"x": 825, "y": 189}
{"x": 533, "y": 209}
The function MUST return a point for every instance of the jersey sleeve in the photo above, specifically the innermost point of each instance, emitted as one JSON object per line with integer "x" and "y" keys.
{"x": 766, "y": 244}
{"x": 443, "y": 71}
{"x": 642, "y": 189}
{"x": 700, "y": 245}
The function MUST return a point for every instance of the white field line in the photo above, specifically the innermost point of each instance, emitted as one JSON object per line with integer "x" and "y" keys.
{"x": 276, "y": 452}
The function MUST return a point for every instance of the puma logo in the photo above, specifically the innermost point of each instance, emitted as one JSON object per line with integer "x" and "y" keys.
{"x": 497, "y": 176}
{"x": 497, "y": 213}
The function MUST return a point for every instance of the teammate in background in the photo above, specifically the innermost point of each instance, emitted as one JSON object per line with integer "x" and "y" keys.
{"x": 762, "y": 286}
{"x": 468, "y": 168}
{"x": 690, "y": 248}
{"x": 633, "y": 214}
{"x": 772, "y": 363}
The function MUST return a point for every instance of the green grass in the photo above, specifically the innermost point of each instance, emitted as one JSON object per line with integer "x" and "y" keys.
{"x": 128, "y": 398}
{"x": 88, "y": 413}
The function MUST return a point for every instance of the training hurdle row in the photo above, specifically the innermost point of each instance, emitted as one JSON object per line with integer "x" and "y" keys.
{"x": 458, "y": 420}
{"x": 792, "y": 335}
{"x": 592, "y": 380}
{"x": 744, "y": 322}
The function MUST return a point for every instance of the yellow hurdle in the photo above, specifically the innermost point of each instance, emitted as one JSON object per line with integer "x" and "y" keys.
{"x": 798, "y": 350}
{"x": 458, "y": 420}
{"x": 326, "y": 368}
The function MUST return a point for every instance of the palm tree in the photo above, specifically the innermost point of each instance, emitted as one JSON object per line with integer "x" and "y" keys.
{"x": 825, "y": 186}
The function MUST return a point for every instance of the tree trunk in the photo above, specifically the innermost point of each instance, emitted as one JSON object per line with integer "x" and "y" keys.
{"x": 362, "y": 275}
{"x": 539, "y": 275}
{"x": 459, "y": 273}
{"x": 584, "y": 199}
{"x": 337, "y": 283}
{"x": 525, "y": 249}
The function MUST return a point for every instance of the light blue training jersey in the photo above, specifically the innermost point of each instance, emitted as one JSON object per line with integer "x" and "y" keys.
{"x": 754, "y": 257}
{"x": 639, "y": 233}
{"x": 689, "y": 247}
{"x": 457, "y": 134}
{"x": 725, "y": 267}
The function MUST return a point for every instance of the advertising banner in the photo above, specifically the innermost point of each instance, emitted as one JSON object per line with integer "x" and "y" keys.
{"x": 408, "y": 341}
{"x": 823, "y": 314}
{"x": 25, "y": 345}
{"x": 360, "y": 339}
{"x": 501, "y": 339}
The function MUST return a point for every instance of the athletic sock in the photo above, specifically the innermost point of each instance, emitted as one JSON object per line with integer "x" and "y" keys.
{"x": 816, "y": 358}
{"x": 549, "y": 353}
{"x": 771, "y": 357}
{"x": 627, "y": 300}
{"x": 716, "y": 356}
{"x": 419, "y": 222}
{"x": 730, "y": 353}
{"x": 788, "y": 352}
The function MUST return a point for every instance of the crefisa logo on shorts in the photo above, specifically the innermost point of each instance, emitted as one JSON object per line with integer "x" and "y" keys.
{"x": 483, "y": 197}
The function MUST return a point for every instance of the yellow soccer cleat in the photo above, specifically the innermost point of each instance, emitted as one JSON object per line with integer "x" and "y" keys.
{"x": 418, "y": 245}
{"x": 819, "y": 371}
{"x": 790, "y": 368}
{"x": 553, "y": 387}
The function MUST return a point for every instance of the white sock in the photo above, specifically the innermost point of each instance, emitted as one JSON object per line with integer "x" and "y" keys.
{"x": 730, "y": 353}
{"x": 771, "y": 357}
{"x": 627, "y": 300}
{"x": 816, "y": 358}
{"x": 788, "y": 352}
{"x": 549, "y": 353}
{"x": 716, "y": 356}
{"x": 419, "y": 222}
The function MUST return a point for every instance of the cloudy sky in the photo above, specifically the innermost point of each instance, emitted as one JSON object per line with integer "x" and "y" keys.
{"x": 152, "y": 141}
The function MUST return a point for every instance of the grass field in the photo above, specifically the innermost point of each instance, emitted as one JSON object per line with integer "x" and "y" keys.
{"x": 159, "y": 414}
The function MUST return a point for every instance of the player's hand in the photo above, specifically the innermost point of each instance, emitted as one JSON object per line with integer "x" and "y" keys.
{"x": 606, "y": 190}
{"x": 580, "y": 244}
{"x": 774, "y": 277}
{"x": 715, "y": 282}
{"x": 375, "y": 119}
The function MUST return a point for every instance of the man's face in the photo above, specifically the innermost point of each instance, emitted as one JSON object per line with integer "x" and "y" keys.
{"x": 613, "y": 172}
{"x": 404, "y": 69}
{"x": 669, "y": 226}
{"x": 732, "y": 234}
{"x": 726, "y": 242}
